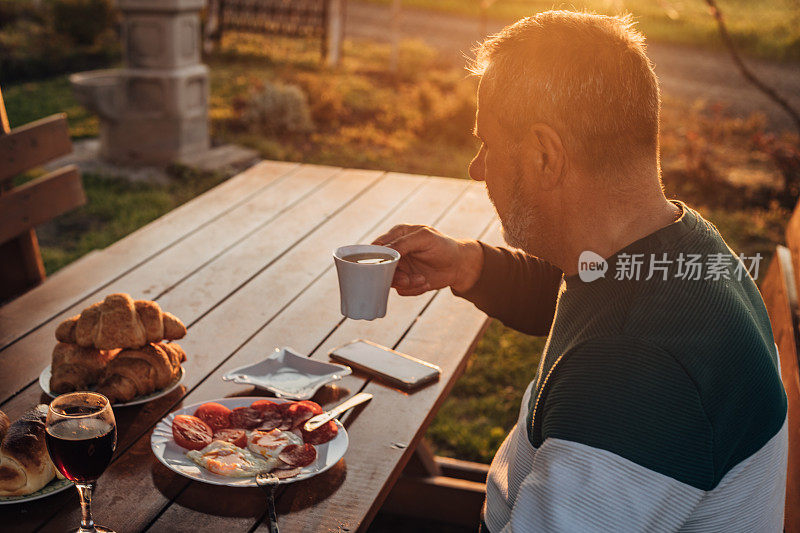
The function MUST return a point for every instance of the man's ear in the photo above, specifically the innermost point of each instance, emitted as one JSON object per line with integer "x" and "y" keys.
{"x": 548, "y": 155}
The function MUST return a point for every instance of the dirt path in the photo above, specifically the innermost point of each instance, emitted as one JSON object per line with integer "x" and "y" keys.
{"x": 685, "y": 72}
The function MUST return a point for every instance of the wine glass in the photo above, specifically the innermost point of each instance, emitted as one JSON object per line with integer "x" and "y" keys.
{"x": 81, "y": 437}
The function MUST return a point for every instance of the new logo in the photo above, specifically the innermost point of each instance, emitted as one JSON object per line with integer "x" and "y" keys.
{"x": 591, "y": 266}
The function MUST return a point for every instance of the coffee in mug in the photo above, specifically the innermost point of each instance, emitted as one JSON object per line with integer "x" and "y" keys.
{"x": 369, "y": 258}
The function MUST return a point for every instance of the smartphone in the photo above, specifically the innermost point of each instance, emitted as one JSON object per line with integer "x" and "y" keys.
{"x": 389, "y": 365}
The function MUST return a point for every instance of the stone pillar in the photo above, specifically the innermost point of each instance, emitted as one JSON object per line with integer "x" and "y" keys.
{"x": 164, "y": 87}
{"x": 155, "y": 110}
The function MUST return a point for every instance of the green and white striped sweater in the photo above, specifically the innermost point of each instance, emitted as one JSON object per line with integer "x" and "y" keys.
{"x": 658, "y": 404}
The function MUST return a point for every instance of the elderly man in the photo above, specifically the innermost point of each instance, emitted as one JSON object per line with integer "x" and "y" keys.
{"x": 658, "y": 404}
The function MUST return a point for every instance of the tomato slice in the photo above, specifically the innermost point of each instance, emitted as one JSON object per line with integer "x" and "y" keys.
{"x": 298, "y": 413}
{"x": 246, "y": 418}
{"x": 314, "y": 406}
{"x": 237, "y": 437}
{"x": 190, "y": 432}
{"x": 216, "y": 415}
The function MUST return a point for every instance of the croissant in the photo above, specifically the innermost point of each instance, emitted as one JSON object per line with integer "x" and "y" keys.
{"x": 75, "y": 367}
{"x": 120, "y": 322}
{"x": 135, "y": 372}
{"x": 25, "y": 465}
{"x": 4, "y": 424}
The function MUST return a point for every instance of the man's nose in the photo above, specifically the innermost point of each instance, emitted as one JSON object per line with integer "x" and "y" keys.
{"x": 477, "y": 168}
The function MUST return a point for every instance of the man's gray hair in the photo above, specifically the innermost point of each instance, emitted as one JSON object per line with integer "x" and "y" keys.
{"x": 585, "y": 75}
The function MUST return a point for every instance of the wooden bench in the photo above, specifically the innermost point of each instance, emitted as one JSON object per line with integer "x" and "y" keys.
{"x": 23, "y": 208}
{"x": 779, "y": 290}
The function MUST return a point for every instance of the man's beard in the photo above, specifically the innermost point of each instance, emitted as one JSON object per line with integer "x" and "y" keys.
{"x": 518, "y": 222}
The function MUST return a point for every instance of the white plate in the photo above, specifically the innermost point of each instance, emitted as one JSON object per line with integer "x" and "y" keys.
{"x": 288, "y": 374}
{"x": 57, "y": 485}
{"x": 44, "y": 383}
{"x": 174, "y": 457}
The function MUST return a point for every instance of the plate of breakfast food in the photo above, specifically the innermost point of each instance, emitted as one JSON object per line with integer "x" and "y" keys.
{"x": 26, "y": 471}
{"x": 229, "y": 441}
{"x": 116, "y": 347}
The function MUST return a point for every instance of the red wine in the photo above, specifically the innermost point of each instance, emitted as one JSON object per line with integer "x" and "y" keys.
{"x": 81, "y": 448}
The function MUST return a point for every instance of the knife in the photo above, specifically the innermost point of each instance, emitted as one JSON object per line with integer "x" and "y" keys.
{"x": 316, "y": 421}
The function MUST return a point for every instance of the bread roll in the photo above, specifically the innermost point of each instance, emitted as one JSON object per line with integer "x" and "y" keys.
{"x": 4, "y": 424}
{"x": 25, "y": 465}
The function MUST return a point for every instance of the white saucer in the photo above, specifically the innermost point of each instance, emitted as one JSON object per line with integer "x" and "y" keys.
{"x": 288, "y": 374}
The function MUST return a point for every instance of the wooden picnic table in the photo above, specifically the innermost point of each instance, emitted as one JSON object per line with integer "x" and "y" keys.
{"x": 247, "y": 266}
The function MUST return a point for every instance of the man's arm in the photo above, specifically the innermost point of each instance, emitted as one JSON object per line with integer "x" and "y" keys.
{"x": 518, "y": 289}
{"x": 574, "y": 487}
{"x": 512, "y": 286}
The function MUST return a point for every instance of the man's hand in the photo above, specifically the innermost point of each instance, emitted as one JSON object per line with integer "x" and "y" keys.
{"x": 431, "y": 260}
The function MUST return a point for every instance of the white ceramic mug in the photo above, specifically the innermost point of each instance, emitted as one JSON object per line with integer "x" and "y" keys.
{"x": 364, "y": 288}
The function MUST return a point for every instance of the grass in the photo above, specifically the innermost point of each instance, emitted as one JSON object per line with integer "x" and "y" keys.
{"x": 768, "y": 28}
{"x": 485, "y": 402}
{"x": 30, "y": 101}
{"x": 114, "y": 208}
{"x": 417, "y": 120}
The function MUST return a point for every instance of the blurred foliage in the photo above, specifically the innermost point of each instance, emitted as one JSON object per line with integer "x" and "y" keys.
{"x": 273, "y": 108}
{"x": 416, "y": 120}
{"x": 83, "y": 21}
{"x": 730, "y": 169}
{"x": 42, "y": 38}
{"x": 764, "y": 28}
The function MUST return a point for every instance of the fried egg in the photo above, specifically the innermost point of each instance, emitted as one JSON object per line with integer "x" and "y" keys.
{"x": 227, "y": 459}
{"x": 269, "y": 444}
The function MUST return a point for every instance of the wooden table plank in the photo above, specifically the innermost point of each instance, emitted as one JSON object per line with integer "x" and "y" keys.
{"x": 385, "y": 433}
{"x": 29, "y": 311}
{"x": 196, "y": 507}
{"x": 152, "y": 279}
{"x": 221, "y": 333}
